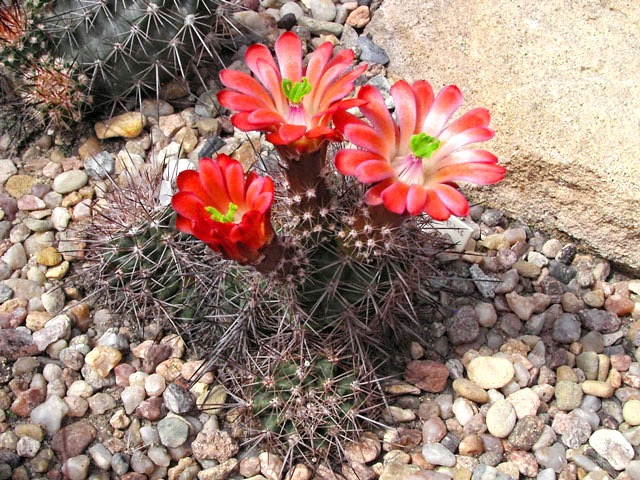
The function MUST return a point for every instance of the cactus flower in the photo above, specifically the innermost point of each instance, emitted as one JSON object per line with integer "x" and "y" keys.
{"x": 225, "y": 208}
{"x": 294, "y": 105}
{"x": 414, "y": 161}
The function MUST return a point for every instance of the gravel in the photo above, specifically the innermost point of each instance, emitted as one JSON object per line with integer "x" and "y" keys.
{"x": 535, "y": 374}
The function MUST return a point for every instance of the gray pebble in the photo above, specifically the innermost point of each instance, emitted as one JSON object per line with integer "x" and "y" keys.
{"x": 177, "y": 399}
{"x": 100, "y": 165}
{"x": 173, "y": 431}
{"x": 566, "y": 329}
{"x": 120, "y": 463}
{"x": 6, "y": 293}
{"x": 370, "y": 52}
{"x": 70, "y": 181}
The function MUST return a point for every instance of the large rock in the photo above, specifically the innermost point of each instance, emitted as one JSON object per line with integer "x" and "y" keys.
{"x": 561, "y": 81}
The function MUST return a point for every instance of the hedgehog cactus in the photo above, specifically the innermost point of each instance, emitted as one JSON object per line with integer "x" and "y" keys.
{"x": 109, "y": 50}
{"x": 305, "y": 400}
{"x": 308, "y": 262}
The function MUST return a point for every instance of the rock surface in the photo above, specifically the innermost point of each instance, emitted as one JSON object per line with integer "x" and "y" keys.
{"x": 567, "y": 151}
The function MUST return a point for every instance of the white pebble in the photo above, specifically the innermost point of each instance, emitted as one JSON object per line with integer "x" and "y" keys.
{"x": 138, "y": 378}
{"x": 155, "y": 384}
{"x": 438, "y": 454}
{"x": 80, "y": 388}
{"x": 101, "y": 456}
{"x": 27, "y": 447}
{"x": 462, "y": 410}
{"x": 50, "y": 413}
{"x": 51, "y": 372}
{"x": 76, "y": 468}
{"x": 132, "y": 396}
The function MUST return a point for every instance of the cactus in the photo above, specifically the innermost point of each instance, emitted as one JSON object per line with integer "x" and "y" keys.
{"x": 303, "y": 400}
{"x": 315, "y": 275}
{"x": 108, "y": 52}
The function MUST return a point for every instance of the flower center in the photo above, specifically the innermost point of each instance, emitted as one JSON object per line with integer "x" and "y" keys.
{"x": 422, "y": 145}
{"x": 228, "y": 217}
{"x": 295, "y": 91}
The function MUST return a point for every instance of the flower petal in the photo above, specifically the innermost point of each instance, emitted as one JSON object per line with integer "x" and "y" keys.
{"x": 265, "y": 118}
{"x": 453, "y": 199}
{"x": 289, "y": 52}
{"x": 373, "y": 196}
{"x": 369, "y": 139}
{"x": 183, "y": 224}
{"x": 348, "y": 160}
{"x": 239, "y": 101}
{"x": 317, "y": 63}
{"x": 381, "y": 120}
{"x": 471, "y": 135}
{"x": 212, "y": 179}
{"x": 372, "y": 171}
{"x": 406, "y": 112}
{"x": 234, "y": 177}
{"x": 395, "y": 197}
{"x": 477, "y": 117}
{"x": 435, "y": 208}
{"x": 286, "y": 134}
{"x": 445, "y": 104}
{"x": 479, "y": 173}
{"x": 243, "y": 83}
{"x": 416, "y": 199}
{"x": 468, "y": 156}
{"x": 187, "y": 205}
{"x": 190, "y": 180}
{"x": 424, "y": 99}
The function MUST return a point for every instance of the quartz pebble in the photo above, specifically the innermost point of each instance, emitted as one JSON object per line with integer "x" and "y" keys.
{"x": 490, "y": 372}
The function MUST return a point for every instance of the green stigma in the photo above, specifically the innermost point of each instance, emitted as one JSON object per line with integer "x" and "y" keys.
{"x": 295, "y": 91}
{"x": 422, "y": 145}
{"x": 216, "y": 216}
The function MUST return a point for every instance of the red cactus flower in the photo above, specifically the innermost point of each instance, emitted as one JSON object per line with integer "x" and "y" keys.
{"x": 226, "y": 210}
{"x": 293, "y": 105}
{"x": 413, "y": 162}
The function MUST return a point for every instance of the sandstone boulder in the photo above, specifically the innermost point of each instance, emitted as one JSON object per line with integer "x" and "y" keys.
{"x": 561, "y": 80}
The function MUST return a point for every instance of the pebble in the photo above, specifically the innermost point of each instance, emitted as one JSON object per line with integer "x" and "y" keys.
{"x": 70, "y": 181}
{"x": 173, "y": 431}
{"x": 324, "y": 10}
{"x": 126, "y": 125}
{"x": 132, "y": 396}
{"x": 501, "y": 419}
{"x": 568, "y": 395}
{"x": 437, "y": 454}
{"x": 76, "y": 468}
{"x": 613, "y": 447}
{"x": 103, "y": 359}
{"x": 427, "y": 375}
{"x": 433, "y": 430}
{"x": 525, "y": 402}
{"x": 553, "y": 457}
{"x": 490, "y": 372}
{"x": 526, "y": 433}
{"x": 467, "y": 389}
{"x": 50, "y": 413}
{"x": 370, "y": 52}
{"x": 597, "y": 388}
{"x": 177, "y": 399}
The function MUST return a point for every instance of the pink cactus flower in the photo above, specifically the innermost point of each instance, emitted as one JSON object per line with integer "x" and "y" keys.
{"x": 225, "y": 208}
{"x": 413, "y": 162}
{"x": 293, "y": 105}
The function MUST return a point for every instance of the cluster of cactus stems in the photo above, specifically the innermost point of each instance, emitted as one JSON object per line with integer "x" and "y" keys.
{"x": 317, "y": 262}
{"x": 102, "y": 54}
